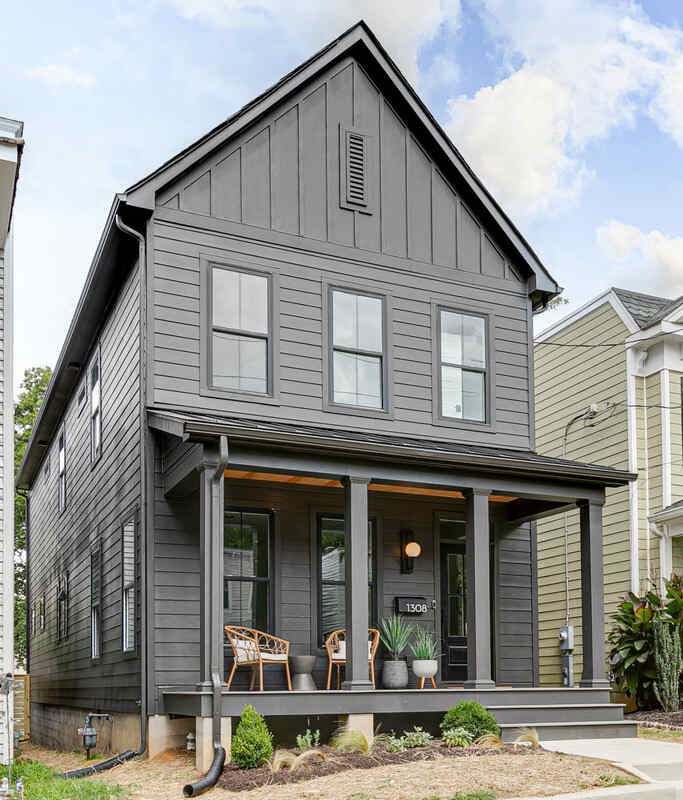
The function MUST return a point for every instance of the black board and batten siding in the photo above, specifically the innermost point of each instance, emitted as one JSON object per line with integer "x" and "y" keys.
{"x": 271, "y": 199}
{"x": 100, "y": 498}
{"x": 295, "y": 513}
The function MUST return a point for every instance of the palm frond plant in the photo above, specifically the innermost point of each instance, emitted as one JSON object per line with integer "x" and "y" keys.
{"x": 423, "y": 646}
{"x": 395, "y": 634}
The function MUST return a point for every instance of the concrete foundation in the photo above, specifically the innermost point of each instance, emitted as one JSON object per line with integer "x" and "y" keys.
{"x": 56, "y": 727}
{"x": 204, "y": 741}
{"x": 363, "y": 723}
{"x": 164, "y": 733}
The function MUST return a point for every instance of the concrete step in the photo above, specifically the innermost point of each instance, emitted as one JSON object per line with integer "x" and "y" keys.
{"x": 559, "y": 731}
{"x": 562, "y": 713}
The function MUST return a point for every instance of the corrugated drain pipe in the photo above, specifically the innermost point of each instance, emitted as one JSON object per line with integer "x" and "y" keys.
{"x": 128, "y": 754}
{"x": 209, "y": 779}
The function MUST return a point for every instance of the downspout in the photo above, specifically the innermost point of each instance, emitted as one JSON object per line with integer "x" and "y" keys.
{"x": 209, "y": 779}
{"x": 142, "y": 354}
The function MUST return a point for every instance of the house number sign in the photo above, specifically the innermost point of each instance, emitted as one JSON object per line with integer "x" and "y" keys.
{"x": 411, "y": 605}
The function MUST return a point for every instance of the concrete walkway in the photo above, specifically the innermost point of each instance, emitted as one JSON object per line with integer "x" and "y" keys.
{"x": 650, "y": 759}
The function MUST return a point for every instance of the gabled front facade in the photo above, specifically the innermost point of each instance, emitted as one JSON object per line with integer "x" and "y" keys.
{"x": 310, "y": 336}
{"x": 620, "y": 353}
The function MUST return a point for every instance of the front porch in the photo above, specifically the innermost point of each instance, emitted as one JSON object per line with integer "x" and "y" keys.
{"x": 299, "y": 540}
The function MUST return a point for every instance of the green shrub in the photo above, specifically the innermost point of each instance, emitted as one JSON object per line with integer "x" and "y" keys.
{"x": 308, "y": 740}
{"x": 252, "y": 743}
{"x": 416, "y": 738}
{"x": 457, "y": 737}
{"x": 482, "y": 794}
{"x": 471, "y": 716}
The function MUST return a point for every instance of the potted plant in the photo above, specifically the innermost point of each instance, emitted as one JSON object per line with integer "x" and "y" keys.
{"x": 395, "y": 634}
{"x": 425, "y": 664}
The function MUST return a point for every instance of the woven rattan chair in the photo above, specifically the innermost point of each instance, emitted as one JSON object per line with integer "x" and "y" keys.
{"x": 252, "y": 648}
{"x": 335, "y": 644}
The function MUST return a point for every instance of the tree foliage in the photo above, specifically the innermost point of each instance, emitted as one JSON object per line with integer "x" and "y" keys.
{"x": 26, "y": 409}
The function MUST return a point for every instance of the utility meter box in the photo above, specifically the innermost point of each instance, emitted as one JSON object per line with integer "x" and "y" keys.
{"x": 566, "y": 638}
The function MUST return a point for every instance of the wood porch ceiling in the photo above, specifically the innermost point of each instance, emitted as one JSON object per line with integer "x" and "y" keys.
{"x": 330, "y": 483}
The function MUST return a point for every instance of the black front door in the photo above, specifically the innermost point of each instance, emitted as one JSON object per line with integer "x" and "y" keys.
{"x": 453, "y": 613}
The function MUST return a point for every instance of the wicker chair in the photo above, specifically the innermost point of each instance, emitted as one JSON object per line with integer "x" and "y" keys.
{"x": 335, "y": 644}
{"x": 252, "y": 648}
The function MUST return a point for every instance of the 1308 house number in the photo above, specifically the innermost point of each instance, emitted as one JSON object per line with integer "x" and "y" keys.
{"x": 411, "y": 605}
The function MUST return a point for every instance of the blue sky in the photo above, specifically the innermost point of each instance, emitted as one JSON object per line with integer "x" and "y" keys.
{"x": 571, "y": 111}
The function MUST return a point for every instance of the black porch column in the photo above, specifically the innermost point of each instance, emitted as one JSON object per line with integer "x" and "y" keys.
{"x": 356, "y": 580}
{"x": 477, "y": 557}
{"x": 592, "y": 597}
{"x": 211, "y": 483}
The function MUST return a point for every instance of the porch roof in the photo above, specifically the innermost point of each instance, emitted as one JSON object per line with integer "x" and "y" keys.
{"x": 195, "y": 426}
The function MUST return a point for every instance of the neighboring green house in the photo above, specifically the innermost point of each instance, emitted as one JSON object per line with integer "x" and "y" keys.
{"x": 608, "y": 390}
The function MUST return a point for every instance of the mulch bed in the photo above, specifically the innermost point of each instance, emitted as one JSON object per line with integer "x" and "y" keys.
{"x": 673, "y": 719}
{"x": 235, "y": 779}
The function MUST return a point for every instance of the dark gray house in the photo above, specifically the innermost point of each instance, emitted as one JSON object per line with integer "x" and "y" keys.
{"x": 303, "y": 342}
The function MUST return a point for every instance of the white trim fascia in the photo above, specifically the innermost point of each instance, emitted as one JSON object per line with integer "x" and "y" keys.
{"x": 674, "y": 314}
{"x": 608, "y": 296}
{"x": 665, "y": 392}
{"x": 632, "y": 435}
{"x": 668, "y": 515}
{"x": 656, "y": 331}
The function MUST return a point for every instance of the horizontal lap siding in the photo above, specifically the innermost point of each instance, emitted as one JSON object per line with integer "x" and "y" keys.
{"x": 568, "y": 380}
{"x": 178, "y": 348}
{"x": 100, "y": 498}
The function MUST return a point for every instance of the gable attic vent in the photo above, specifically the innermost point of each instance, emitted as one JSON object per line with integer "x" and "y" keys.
{"x": 356, "y": 169}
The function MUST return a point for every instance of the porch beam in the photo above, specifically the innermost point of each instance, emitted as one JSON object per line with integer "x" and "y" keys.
{"x": 592, "y": 597}
{"x": 356, "y": 582}
{"x": 562, "y": 489}
{"x": 477, "y": 557}
{"x": 519, "y": 511}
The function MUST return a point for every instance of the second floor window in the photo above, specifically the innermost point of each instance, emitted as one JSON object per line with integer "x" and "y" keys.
{"x": 61, "y": 477}
{"x": 357, "y": 350}
{"x": 462, "y": 365}
{"x": 240, "y": 331}
{"x": 95, "y": 408}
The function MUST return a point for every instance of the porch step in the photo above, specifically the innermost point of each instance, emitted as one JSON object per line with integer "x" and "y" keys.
{"x": 558, "y": 713}
{"x": 559, "y": 731}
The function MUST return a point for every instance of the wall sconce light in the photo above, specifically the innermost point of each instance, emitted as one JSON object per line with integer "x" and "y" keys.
{"x": 410, "y": 550}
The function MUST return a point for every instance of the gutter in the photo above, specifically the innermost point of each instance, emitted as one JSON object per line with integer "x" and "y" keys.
{"x": 583, "y": 472}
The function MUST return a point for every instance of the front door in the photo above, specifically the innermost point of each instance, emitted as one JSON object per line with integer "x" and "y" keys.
{"x": 453, "y": 613}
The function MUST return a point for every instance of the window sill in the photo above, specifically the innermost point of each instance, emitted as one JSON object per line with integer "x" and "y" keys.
{"x": 463, "y": 424}
{"x": 357, "y": 411}
{"x": 241, "y": 397}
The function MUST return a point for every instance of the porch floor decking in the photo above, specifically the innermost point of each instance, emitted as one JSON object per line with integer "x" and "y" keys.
{"x": 556, "y": 713}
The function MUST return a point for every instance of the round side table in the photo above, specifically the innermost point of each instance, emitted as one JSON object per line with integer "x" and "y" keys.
{"x": 303, "y": 679}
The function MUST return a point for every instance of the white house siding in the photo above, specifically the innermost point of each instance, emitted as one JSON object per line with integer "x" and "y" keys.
{"x": 6, "y": 485}
{"x": 568, "y": 380}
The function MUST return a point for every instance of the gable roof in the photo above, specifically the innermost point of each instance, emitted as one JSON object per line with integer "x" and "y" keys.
{"x": 645, "y": 308}
{"x": 360, "y": 42}
{"x": 139, "y": 201}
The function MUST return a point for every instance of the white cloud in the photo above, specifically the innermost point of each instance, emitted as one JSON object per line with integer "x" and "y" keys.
{"x": 659, "y": 254}
{"x": 575, "y": 71}
{"x": 402, "y": 25}
{"x": 62, "y": 75}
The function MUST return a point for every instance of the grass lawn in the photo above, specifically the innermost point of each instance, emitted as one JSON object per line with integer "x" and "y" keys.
{"x": 662, "y": 734}
{"x": 471, "y": 777}
{"x": 40, "y": 783}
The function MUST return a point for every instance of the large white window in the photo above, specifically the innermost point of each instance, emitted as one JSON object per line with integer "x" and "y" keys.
{"x": 95, "y": 408}
{"x": 462, "y": 365}
{"x": 61, "y": 478}
{"x": 128, "y": 583}
{"x": 357, "y": 350}
{"x": 240, "y": 331}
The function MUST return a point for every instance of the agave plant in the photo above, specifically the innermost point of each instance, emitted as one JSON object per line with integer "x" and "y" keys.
{"x": 632, "y": 646}
{"x": 423, "y": 647}
{"x": 395, "y": 634}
